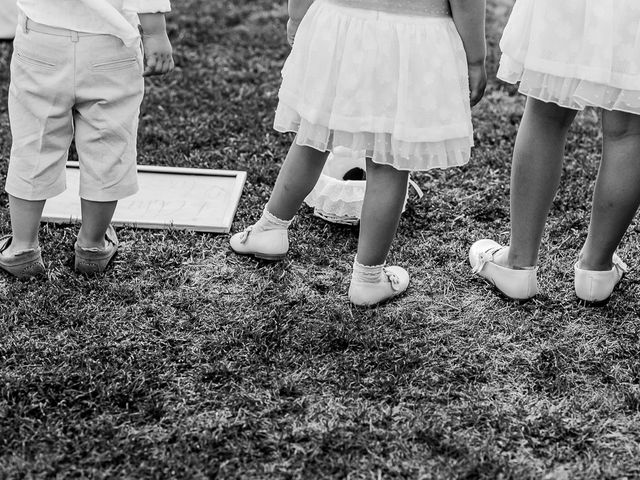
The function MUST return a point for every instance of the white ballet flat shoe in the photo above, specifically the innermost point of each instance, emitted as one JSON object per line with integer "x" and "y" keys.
{"x": 596, "y": 286}
{"x": 394, "y": 282}
{"x": 265, "y": 244}
{"x": 515, "y": 284}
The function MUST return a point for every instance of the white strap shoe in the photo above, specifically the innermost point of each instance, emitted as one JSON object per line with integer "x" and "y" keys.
{"x": 596, "y": 286}
{"x": 394, "y": 281}
{"x": 515, "y": 284}
{"x": 265, "y": 244}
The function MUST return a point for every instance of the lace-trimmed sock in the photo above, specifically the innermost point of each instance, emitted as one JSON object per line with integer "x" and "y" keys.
{"x": 367, "y": 273}
{"x": 268, "y": 221}
{"x": 371, "y": 285}
{"x": 267, "y": 239}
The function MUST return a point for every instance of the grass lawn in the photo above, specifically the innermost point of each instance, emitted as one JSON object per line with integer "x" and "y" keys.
{"x": 187, "y": 361}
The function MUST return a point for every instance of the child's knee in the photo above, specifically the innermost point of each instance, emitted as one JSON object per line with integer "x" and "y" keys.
{"x": 617, "y": 125}
{"x": 552, "y": 113}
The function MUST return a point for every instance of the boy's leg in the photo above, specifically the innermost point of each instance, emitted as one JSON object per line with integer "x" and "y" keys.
{"x": 386, "y": 191}
{"x": 109, "y": 91}
{"x": 535, "y": 176}
{"x": 39, "y": 102}
{"x": 25, "y": 222}
{"x": 617, "y": 191}
{"x": 96, "y": 217}
{"x": 298, "y": 175}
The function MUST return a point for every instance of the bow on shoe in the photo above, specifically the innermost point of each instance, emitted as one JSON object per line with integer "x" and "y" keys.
{"x": 244, "y": 236}
{"x": 393, "y": 278}
{"x": 484, "y": 258}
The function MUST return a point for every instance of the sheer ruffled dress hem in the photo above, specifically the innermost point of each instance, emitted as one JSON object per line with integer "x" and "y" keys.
{"x": 380, "y": 147}
{"x": 573, "y": 93}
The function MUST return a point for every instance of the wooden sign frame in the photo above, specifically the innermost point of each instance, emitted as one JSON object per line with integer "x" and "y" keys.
{"x": 65, "y": 208}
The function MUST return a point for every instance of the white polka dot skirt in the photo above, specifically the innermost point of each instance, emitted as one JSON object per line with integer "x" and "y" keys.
{"x": 575, "y": 53}
{"x": 393, "y": 87}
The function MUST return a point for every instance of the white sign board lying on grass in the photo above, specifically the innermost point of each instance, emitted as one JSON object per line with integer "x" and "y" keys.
{"x": 169, "y": 197}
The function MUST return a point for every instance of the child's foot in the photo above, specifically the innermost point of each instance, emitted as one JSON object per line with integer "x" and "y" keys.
{"x": 264, "y": 244}
{"x": 488, "y": 260}
{"x": 267, "y": 239}
{"x": 371, "y": 285}
{"x": 595, "y": 286}
{"x": 90, "y": 260}
{"x": 21, "y": 263}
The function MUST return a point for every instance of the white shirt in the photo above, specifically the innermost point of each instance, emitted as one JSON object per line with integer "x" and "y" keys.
{"x": 112, "y": 17}
{"x": 8, "y": 18}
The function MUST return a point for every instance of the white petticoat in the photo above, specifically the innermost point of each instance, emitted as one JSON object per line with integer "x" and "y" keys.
{"x": 575, "y": 53}
{"x": 334, "y": 198}
{"x": 338, "y": 200}
{"x": 394, "y": 87}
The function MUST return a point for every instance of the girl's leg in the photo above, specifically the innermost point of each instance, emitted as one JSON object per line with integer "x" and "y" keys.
{"x": 268, "y": 238}
{"x": 25, "y": 222}
{"x": 617, "y": 192}
{"x": 386, "y": 190}
{"x": 371, "y": 282}
{"x": 96, "y": 217}
{"x": 298, "y": 175}
{"x": 535, "y": 176}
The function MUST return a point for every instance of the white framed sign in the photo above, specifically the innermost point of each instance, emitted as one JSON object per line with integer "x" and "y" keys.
{"x": 182, "y": 198}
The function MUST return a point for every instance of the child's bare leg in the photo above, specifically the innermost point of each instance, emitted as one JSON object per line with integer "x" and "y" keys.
{"x": 268, "y": 238}
{"x": 535, "y": 176}
{"x": 96, "y": 217}
{"x": 371, "y": 282}
{"x": 25, "y": 222}
{"x": 386, "y": 190}
{"x": 617, "y": 192}
{"x": 298, "y": 175}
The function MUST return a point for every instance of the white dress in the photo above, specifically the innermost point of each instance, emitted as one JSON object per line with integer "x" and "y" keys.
{"x": 575, "y": 53}
{"x": 385, "y": 78}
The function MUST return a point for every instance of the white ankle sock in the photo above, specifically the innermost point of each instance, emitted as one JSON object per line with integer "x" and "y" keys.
{"x": 366, "y": 273}
{"x": 268, "y": 221}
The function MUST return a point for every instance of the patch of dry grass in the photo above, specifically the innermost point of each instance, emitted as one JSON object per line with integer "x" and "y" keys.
{"x": 187, "y": 361}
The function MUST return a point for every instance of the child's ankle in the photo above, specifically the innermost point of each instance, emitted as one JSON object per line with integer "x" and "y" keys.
{"x": 88, "y": 244}
{"x": 586, "y": 262}
{"x": 366, "y": 273}
{"x": 503, "y": 259}
{"x": 268, "y": 221}
{"x": 17, "y": 247}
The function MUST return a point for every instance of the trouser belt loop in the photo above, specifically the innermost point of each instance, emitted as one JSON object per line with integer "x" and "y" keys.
{"x": 74, "y": 36}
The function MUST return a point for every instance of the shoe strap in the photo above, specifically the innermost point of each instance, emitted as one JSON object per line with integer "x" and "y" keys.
{"x": 110, "y": 235}
{"x": 5, "y": 242}
{"x": 485, "y": 257}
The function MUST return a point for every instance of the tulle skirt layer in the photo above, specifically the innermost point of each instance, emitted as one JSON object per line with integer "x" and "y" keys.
{"x": 392, "y": 87}
{"x": 575, "y": 53}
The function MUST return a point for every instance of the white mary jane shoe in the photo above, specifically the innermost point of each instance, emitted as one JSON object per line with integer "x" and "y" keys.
{"x": 596, "y": 286}
{"x": 265, "y": 244}
{"x": 394, "y": 282}
{"x": 514, "y": 283}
